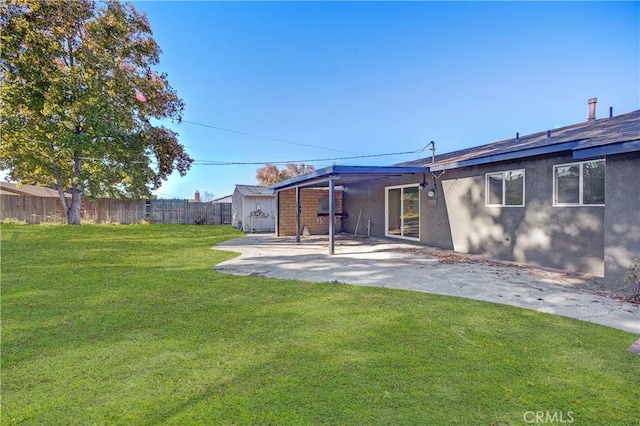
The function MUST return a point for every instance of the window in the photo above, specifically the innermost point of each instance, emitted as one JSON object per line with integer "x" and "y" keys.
{"x": 403, "y": 212}
{"x": 579, "y": 184}
{"x": 505, "y": 189}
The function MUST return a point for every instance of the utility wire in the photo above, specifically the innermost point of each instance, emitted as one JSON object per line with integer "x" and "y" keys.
{"x": 266, "y": 137}
{"x": 319, "y": 160}
{"x": 254, "y": 163}
{"x": 255, "y": 136}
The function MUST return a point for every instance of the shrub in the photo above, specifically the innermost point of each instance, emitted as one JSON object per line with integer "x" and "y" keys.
{"x": 13, "y": 221}
{"x": 632, "y": 281}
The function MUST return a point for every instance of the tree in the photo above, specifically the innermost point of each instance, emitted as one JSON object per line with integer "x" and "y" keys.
{"x": 269, "y": 174}
{"x": 77, "y": 94}
{"x": 208, "y": 196}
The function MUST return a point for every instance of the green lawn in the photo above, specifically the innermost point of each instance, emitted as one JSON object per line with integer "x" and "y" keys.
{"x": 131, "y": 325}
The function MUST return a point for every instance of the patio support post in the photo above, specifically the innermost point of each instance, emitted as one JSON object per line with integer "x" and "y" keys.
{"x": 297, "y": 214}
{"x": 277, "y": 213}
{"x": 332, "y": 213}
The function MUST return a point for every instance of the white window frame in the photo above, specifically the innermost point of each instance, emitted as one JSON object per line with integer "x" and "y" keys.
{"x": 580, "y": 184}
{"x": 504, "y": 189}
{"x": 386, "y": 211}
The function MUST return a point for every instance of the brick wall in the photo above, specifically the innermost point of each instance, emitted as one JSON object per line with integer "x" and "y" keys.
{"x": 309, "y": 201}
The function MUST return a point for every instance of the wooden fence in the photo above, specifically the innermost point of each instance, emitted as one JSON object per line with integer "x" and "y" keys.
{"x": 31, "y": 209}
{"x": 104, "y": 210}
{"x": 184, "y": 211}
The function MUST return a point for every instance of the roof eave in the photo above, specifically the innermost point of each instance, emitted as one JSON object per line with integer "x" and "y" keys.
{"x": 611, "y": 149}
{"x": 302, "y": 178}
{"x": 336, "y": 172}
{"x": 515, "y": 155}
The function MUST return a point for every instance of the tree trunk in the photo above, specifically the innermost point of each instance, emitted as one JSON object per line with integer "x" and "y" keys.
{"x": 63, "y": 199}
{"x": 73, "y": 214}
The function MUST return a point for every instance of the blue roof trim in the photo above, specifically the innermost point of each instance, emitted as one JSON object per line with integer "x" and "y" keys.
{"x": 336, "y": 171}
{"x": 598, "y": 151}
{"x": 307, "y": 176}
{"x": 514, "y": 155}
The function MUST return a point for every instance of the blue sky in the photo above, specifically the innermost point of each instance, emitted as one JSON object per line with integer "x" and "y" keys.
{"x": 296, "y": 81}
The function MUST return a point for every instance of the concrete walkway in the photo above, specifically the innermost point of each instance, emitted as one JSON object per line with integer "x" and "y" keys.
{"x": 389, "y": 264}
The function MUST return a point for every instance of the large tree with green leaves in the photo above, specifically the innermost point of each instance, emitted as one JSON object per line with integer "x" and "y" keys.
{"x": 81, "y": 101}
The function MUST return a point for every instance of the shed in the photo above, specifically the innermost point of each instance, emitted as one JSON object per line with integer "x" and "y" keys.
{"x": 253, "y": 208}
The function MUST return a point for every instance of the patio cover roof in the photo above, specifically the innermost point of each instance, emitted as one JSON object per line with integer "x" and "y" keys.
{"x": 344, "y": 175}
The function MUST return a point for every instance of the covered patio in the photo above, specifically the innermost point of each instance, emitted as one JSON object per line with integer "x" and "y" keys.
{"x": 339, "y": 176}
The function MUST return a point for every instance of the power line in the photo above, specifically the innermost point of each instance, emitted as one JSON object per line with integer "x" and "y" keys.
{"x": 319, "y": 160}
{"x": 255, "y": 136}
{"x": 266, "y": 137}
{"x": 253, "y": 163}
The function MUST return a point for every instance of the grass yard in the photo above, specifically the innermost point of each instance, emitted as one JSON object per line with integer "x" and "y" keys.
{"x": 130, "y": 325}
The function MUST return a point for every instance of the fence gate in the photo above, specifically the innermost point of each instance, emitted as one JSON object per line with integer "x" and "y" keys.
{"x": 225, "y": 213}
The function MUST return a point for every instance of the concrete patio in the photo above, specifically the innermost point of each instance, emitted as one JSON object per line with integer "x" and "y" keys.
{"x": 396, "y": 265}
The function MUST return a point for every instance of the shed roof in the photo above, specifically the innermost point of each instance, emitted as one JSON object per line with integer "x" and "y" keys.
{"x": 11, "y": 188}
{"x": 254, "y": 191}
{"x": 588, "y": 139}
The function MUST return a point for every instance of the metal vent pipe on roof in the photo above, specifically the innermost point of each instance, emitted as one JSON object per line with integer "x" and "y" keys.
{"x": 592, "y": 108}
{"x": 433, "y": 151}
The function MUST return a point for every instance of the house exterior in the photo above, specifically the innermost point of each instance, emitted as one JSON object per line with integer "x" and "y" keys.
{"x": 253, "y": 208}
{"x": 566, "y": 198}
{"x": 10, "y": 188}
{"x": 227, "y": 199}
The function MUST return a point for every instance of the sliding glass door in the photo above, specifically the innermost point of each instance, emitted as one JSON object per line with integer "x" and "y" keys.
{"x": 403, "y": 212}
